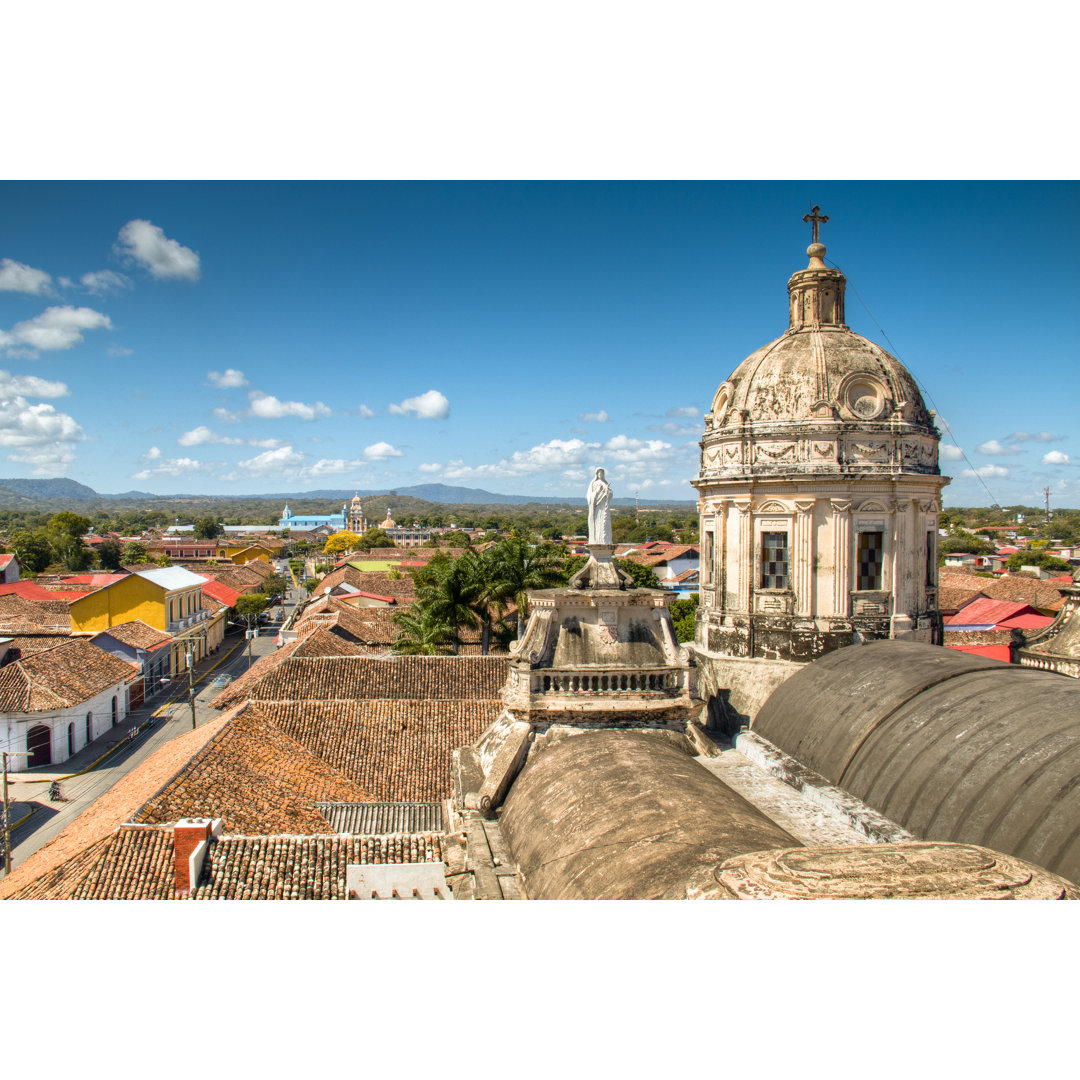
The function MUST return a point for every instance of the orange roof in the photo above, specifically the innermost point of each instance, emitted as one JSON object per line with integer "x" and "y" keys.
{"x": 221, "y": 593}
{"x": 28, "y": 590}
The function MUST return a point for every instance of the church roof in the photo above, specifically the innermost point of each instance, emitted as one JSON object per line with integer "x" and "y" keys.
{"x": 949, "y": 745}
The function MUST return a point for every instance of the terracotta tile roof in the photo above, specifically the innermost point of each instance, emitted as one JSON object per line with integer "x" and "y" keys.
{"x": 952, "y": 599}
{"x": 1025, "y": 589}
{"x": 137, "y": 863}
{"x": 28, "y": 644}
{"x": 394, "y": 678}
{"x": 321, "y": 642}
{"x": 139, "y": 635}
{"x": 240, "y": 578}
{"x": 59, "y": 678}
{"x": 978, "y": 637}
{"x": 373, "y": 626}
{"x": 256, "y": 778}
{"x": 50, "y": 613}
{"x": 650, "y": 558}
{"x": 96, "y": 824}
{"x": 237, "y": 691}
{"x": 399, "y": 751}
{"x": 370, "y": 581}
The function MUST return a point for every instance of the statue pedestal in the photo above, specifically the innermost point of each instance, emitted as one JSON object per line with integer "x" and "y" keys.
{"x": 600, "y": 572}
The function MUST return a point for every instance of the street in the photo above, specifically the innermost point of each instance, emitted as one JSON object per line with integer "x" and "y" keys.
{"x": 28, "y": 791}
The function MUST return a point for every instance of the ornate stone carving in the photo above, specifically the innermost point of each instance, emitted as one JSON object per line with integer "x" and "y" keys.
{"x": 599, "y": 498}
{"x": 775, "y": 451}
{"x": 868, "y": 451}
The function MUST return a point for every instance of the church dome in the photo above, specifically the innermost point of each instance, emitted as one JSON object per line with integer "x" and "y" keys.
{"x": 819, "y": 396}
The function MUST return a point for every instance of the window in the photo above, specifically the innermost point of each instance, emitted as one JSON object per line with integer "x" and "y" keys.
{"x": 871, "y": 559}
{"x": 89, "y": 727}
{"x": 931, "y": 561}
{"x": 774, "y": 560}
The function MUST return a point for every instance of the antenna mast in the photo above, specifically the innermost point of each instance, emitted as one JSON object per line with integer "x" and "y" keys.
{"x": 1046, "y": 496}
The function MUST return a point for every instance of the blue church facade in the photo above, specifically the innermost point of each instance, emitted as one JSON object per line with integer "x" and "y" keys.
{"x": 306, "y": 522}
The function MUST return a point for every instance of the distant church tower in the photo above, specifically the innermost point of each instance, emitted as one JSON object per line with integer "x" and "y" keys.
{"x": 819, "y": 494}
{"x": 356, "y": 515}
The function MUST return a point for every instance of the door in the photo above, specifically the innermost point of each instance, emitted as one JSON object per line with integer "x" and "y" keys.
{"x": 39, "y": 746}
{"x": 71, "y": 739}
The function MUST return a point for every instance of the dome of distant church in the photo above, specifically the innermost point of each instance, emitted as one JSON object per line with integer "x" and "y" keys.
{"x": 389, "y": 523}
{"x": 819, "y": 376}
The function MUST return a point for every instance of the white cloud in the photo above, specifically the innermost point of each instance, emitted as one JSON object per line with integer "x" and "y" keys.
{"x": 949, "y": 452}
{"x": 427, "y": 406}
{"x": 333, "y": 467}
{"x": 380, "y": 451}
{"x": 40, "y": 436}
{"x": 430, "y": 467}
{"x": 176, "y": 467}
{"x": 153, "y": 453}
{"x": 364, "y": 412}
{"x": 228, "y": 415}
{"x": 1055, "y": 457}
{"x": 684, "y": 412}
{"x": 55, "y": 328}
{"x": 165, "y": 259}
{"x": 284, "y": 462}
{"x": 204, "y": 436}
{"x": 985, "y": 471}
{"x": 993, "y": 448}
{"x": 561, "y": 454}
{"x": 271, "y": 408}
{"x": 600, "y": 417}
{"x": 30, "y": 386}
{"x": 1038, "y": 436}
{"x": 103, "y": 282}
{"x": 18, "y": 277}
{"x": 677, "y": 431}
{"x": 229, "y": 379}
{"x": 118, "y": 350}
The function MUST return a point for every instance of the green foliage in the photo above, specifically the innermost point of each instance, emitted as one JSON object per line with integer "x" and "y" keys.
{"x": 109, "y": 553}
{"x": 452, "y": 590}
{"x": 135, "y": 551}
{"x": 33, "y": 549}
{"x": 961, "y": 541}
{"x": 422, "y": 632}
{"x": 513, "y": 567}
{"x": 570, "y": 566}
{"x": 311, "y": 584}
{"x": 274, "y": 586}
{"x": 373, "y": 538}
{"x": 683, "y": 613}
{"x": 65, "y": 533}
{"x": 207, "y": 529}
{"x": 251, "y": 604}
{"x": 643, "y": 576}
{"x": 1037, "y": 558}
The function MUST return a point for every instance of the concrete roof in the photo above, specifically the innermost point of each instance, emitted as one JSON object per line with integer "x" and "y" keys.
{"x": 950, "y": 745}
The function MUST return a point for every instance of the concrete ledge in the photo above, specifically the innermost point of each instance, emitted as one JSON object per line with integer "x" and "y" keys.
{"x": 817, "y": 790}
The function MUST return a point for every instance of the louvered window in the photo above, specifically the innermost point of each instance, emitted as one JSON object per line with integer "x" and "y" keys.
{"x": 774, "y": 560}
{"x": 871, "y": 560}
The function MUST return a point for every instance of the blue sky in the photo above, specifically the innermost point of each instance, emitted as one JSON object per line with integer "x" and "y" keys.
{"x": 238, "y": 338}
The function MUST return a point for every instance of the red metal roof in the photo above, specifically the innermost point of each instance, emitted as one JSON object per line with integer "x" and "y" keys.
{"x": 989, "y": 613}
{"x": 28, "y": 590}
{"x": 994, "y": 652}
{"x": 1026, "y": 622}
{"x": 221, "y": 593}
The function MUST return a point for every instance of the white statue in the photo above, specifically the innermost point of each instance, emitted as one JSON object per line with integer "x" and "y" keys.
{"x": 599, "y": 499}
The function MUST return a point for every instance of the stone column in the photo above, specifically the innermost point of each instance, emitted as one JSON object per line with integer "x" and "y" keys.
{"x": 841, "y": 511}
{"x": 803, "y": 577}
{"x": 746, "y": 554}
{"x": 902, "y": 561}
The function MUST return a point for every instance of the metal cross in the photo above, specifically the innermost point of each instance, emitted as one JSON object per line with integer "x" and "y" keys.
{"x": 816, "y": 219}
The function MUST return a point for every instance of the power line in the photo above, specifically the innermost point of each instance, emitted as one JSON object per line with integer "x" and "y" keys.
{"x": 925, "y": 392}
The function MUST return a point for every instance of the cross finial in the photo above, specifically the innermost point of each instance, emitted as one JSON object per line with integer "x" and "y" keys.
{"x": 817, "y": 219}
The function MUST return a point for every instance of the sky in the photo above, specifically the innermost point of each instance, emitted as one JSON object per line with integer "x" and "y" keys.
{"x": 249, "y": 337}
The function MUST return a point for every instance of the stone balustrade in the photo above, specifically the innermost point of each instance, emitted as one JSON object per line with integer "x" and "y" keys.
{"x": 666, "y": 682}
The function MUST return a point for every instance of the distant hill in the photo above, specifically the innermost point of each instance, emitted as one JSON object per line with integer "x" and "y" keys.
{"x": 56, "y": 488}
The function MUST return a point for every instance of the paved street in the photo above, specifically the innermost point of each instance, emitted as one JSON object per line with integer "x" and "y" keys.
{"x": 29, "y": 791}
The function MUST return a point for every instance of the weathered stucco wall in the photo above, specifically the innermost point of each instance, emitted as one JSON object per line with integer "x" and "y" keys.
{"x": 735, "y": 688}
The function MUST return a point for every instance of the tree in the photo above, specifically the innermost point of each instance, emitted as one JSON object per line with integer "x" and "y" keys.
{"x": 274, "y": 586}
{"x": 207, "y": 529}
{"x": 423, "y": 633}
{"x": 683, "y": 614}
{"x": 250, "y": 605}
{"x": 342, "y": 542}
{"x": 1040, "y": 559}
{"x": 374, "y": 538}
{"x": 516, "y": 566}
{"x": 33, "y": 549}
{"x": 451, "y": 590}
{"x": 643, "y": 576}
{"x": 962, "y": 541}
{"x": 311, "y": 584}
{"x": 109, "y": 554}
{"x": 135, "y": 551}
{"x": 65, "y": 532}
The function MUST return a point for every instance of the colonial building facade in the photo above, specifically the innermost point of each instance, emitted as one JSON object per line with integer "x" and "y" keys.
{"x": 819, "y": 494}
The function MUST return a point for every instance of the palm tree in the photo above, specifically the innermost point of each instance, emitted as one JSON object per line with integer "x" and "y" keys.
{"x": 451, "y": 588}
{"x": 422, "y": 632}
{"x": 517, "y": 567}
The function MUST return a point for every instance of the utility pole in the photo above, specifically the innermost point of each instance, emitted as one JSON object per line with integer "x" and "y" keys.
{"x": 1046, "y": 496}
{"x": 7, "y": 814}
{"x": 191, "y": 684}
{"x": 637, "y": 509}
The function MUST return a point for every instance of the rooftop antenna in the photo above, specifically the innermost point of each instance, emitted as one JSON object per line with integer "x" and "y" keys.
{"x": 1046, "y": 496}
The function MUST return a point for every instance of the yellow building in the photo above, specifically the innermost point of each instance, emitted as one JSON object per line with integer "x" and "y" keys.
{"x": 168, "y": 598}
{"x": 243, "y": 553}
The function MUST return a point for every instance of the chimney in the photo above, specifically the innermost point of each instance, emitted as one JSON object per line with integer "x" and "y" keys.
{"x": 191, "y": 840}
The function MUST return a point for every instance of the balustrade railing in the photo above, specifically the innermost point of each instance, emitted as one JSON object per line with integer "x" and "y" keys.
{"x": 612, "y": 682}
